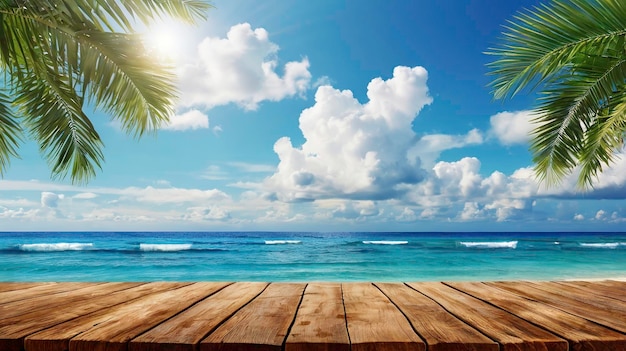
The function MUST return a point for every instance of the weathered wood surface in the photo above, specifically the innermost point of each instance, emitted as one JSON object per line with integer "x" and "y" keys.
{"x": 433, "y": 323}
{"x": 263, "y": 324}
{"x": 375, "y": 323}
{"x": 321, "y": 320}
{"x": 579, "y": 332}
{"x": 471, "y": 316}
{"x": 510, "y": 331}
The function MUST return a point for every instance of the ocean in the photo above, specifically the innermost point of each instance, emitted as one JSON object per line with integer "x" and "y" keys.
{"x": 305, "y": 257}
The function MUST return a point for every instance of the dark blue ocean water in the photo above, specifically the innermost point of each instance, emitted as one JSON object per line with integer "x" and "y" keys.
{"x": 284, "y": 256}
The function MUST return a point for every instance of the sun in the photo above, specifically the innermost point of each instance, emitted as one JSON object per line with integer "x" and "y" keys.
{"x": 163, "y": 41}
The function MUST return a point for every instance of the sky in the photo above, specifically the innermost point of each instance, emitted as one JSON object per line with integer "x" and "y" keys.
{"x": 323, "y": 115}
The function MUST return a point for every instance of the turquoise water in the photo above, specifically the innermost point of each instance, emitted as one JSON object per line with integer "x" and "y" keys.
{"x": 283, "y": 256}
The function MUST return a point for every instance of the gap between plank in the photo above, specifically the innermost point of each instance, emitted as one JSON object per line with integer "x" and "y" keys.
{"x": 293, "y": 321}
{"x": 405, "y": 316}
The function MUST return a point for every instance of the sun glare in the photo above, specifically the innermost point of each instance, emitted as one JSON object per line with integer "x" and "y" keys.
{"x": 163, "y": 41}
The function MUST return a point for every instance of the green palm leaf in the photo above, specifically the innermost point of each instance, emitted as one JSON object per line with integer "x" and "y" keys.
{"x": 10, "y": 132}
{"x": 60, "y": 54}
{"x": 573, "y": 52}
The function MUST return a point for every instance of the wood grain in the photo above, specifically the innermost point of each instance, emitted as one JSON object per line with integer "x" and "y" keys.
{"x": 43, "y": 327}
{"x": 113, "y": 328}
{"x": 518, "y": 316}
{"x": 581, "y": 295}
{"x": 601, "y": 310}
{"x": 185, "y": 330}
{"x": 617, "y": 292}
{"x": 9, "y": 286}
{"x": 374, "y": 323}
{"x": 52, "y": 302}
{"x": 42, "y": 290}
{"x": 581, "y": 333}
{"x": 320, "y": 324}
{"x": 440, "y": 329}
{"x": 512, "y": 332}
{"x": 261, "y": 325}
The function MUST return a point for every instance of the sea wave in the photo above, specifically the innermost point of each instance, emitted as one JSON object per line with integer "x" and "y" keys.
{"x": 165, "y": 247}
{"x": 386, "y": 242}
{"x": 600, "y": 245}
{"x": 490, "y": 244}
{"x": 282, "y": 242}
{"x": 46, "y": 247}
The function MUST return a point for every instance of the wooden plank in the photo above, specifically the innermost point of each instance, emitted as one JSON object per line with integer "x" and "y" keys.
{"x": 605, "y": 311}
{"x": 374, "y": 323}
{"x": 593, "y": 288}
{"x": 261, "y": 325}
{"x": 112, "y": 328}
{"x": 41, "y": 290}
{"x": 14, "y": 330}
{"x": 575, "y": 293}
{"x": 581, "y": 333}
{"x": 8, "y": 286}
{"x": 512, "y": 332}
{"x": 185, "y": 330}
{"x": 320, "y": 324}
{"x": 53, "y": 302}
{"x": 441, "y": 330}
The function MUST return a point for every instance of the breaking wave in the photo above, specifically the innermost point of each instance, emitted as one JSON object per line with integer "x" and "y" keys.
{"x": 386, "y": 242}
{"x": 282, "y": 242}
{"x": 46, "y": 247}
{"x": 164, "y": 247}
{"x": 490, "y": 244}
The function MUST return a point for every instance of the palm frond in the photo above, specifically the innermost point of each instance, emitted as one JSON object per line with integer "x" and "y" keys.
{"x": 10, "y": 132}
{"x": 573, "y": 52}
{"x": 540, "y": 42}
{"x": 58, "y": 54}
{"x": 125, "y": 82}
{"x": 53, "y": 113}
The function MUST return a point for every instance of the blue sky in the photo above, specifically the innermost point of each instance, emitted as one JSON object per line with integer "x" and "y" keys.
{"x": 324, "y": 115}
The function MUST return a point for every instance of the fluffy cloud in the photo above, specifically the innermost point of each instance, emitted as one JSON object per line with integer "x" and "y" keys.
{"x": 512, "y": 127}
{"x": 192, "y": 119}
{"x": 471, "y": 211}
{"x": 173, "y": 195}
{"x": 50, "y": 200}
{"x": 241, "y": 69}
{"x": 459, "y": 186}
{"x": 85, "y": 196}
{"x": 429, "y": 147}
{"x": 206, "y": 213}
{"x": 354, "y": 150}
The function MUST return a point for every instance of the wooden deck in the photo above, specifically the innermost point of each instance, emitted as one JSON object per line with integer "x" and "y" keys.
{"x": 315, "y": 316}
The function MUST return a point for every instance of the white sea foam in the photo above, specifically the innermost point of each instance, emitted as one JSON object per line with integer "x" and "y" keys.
{"x": 282, "y": 242}
{"x": 600, "y": 245}
{"x": 164, "y": 247}
{"x": 386, "y": 242}
{"x": 45, "y": 247}
{"x": 490, "y": 244}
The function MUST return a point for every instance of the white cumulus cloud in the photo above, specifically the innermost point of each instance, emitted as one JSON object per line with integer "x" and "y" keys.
{"x": 192, "y": 119}
{"x": 512, "y": 127}
{"x": 50, "y": 200}
{"x": 354, "y": 150}
{"x": 242, "y": 69}
{"x": 429, "y": 147}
